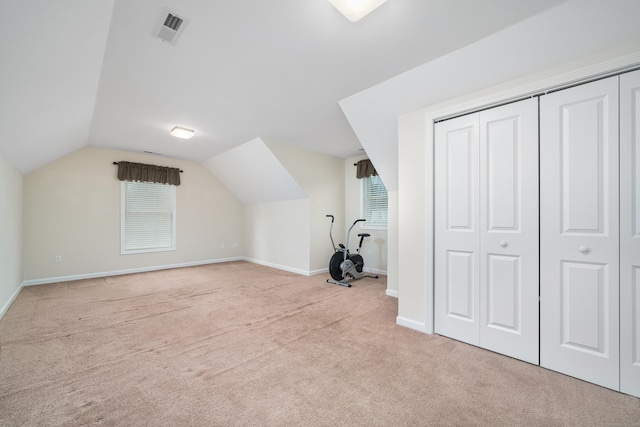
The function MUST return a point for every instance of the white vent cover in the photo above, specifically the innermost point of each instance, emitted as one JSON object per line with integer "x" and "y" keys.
{"x": 170, "y": 27}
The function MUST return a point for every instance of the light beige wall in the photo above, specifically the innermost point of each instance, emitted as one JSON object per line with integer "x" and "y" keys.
{"x": 414, "y": 232}
{"x": 375, "y": 248}
{"x": 322, "y": 178}
{"x": 11, "y": 257}
{"x": 277, "y": 234}
{"x": 72, "y": 209}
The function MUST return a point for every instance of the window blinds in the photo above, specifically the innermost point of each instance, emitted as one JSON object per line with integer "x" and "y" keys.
{"x": 148, "y": 217}
{"x": 375, "y": 204}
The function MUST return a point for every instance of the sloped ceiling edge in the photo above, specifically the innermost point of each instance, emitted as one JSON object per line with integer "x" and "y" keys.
{"x": 254, "y": 174}
{"x": 543, "y": 41}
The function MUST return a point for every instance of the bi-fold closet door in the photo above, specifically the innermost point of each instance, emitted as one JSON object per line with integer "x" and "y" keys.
{"x": 579, "y": 232}
{"x": 590, "y": 232}
{"x": 486, "y": 229}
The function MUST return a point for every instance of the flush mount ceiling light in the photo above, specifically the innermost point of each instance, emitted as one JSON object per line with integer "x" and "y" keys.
{"x": 355, "y": 10}
{"x": 180, "y": 132}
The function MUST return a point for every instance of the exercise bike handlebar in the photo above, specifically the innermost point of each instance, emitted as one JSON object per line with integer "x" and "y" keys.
{"x": 353, "y": 225}
{"x": 357, "y": 221}
{"x": 330, "y": 232}
{"x": 348, "y": 233}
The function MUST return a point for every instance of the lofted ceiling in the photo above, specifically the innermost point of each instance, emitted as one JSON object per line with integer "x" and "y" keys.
{"x": 574, "y": 34}
{"x": 90, "y": 72}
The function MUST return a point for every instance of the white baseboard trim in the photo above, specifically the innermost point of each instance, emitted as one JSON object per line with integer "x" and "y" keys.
{"x": 321, "y": 271}
{"x": 48, "y": 280}
{"x": 392, "y": 293}
{"x": 121, "y": 272}
{"x": 13, "y": 297}
{"x": 278, "y": 266}
{"x": 411, "y": 324}
{"x": 303, "y": 272}
{"x": 374, "y": 271}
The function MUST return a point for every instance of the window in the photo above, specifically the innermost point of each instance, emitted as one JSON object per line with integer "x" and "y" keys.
{"x": 148, "y": 217}
{"x": 374, "y": 202}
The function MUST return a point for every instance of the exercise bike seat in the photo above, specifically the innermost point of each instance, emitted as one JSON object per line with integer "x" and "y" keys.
{"x": 364, "y": 235}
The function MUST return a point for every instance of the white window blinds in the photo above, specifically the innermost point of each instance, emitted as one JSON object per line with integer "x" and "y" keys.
{"x": 148, "y": 217}
{"x": 374, "y": 201}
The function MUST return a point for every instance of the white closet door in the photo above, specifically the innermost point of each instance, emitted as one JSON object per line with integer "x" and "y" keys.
{"x": 486, "y": 229}
{"x": 457, "y": 240}
{"x": 630, "y": 233}
{"x": 579, "y": 226}
{"x": 509, "y": 230}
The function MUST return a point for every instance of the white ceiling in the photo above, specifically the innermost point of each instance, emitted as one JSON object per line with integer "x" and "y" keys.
{"x": 90, "y": 72}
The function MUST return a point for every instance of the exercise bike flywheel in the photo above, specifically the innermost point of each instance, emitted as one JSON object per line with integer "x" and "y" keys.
{"x": 335, "y": 265}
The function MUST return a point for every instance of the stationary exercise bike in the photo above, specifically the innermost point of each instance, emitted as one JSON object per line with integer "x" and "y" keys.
{"x": 344, "y": 266}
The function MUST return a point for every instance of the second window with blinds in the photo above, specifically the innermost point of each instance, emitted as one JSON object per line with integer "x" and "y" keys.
{"x": 148, "y": 217}
{"x": 374, "y": 205}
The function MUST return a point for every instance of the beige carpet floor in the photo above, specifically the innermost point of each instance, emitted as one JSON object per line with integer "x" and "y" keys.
{"x": 238, "y": 344}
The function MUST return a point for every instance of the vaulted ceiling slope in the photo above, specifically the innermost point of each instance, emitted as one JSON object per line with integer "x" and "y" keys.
{"x": 78, "y": 72}
{"x": 51, "y": 55}
{"x": 569, "y": 32}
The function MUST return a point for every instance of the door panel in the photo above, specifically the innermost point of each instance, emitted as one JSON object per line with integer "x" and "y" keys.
{"x": 579, "y": 222}
{"x": 460, "y": 183}
{"x": 456, "y": 233}
{"x": 584, "y": 319}
{"x": 504, "y": 290}
{"x": 502, "y": 169}
{"x": 461, "y": 285}
{"x": 583, "y": 169}
{"x": 509, "y": 230}
{"x": 630, "y": 233}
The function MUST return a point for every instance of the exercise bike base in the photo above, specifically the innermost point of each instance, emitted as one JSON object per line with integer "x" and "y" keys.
{"x": 335, "y": 282}
{"x": 347, "y": 284}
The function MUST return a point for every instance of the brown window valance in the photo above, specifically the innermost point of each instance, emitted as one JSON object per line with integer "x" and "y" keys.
{"x": 128, "y": 171}
{"x": 365, "y": 169}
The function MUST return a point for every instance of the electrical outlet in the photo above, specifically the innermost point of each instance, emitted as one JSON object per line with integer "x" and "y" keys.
{"x": 57, "y": 258}
{"x": 221, "y": 245}
{"x": 236, "y": 244}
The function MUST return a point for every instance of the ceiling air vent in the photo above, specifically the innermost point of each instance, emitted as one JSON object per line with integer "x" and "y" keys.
{"x": 170, "y": 27}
